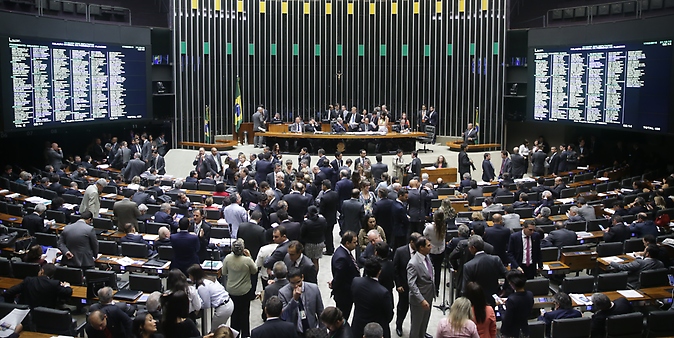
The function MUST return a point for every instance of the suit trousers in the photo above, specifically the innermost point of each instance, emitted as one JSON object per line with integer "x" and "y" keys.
{"x": 344, "y": 302}
{"x": 258, "y": 140}
{"x": 419, "y": 320}
{"x": 529, "y": 271}
{"x": 241, "y": 314}
{"x": 329, "y": 239}
{"x": 436, "y": 260}
{"x": 402, "y": 308}
{"x": 417, "y": 227}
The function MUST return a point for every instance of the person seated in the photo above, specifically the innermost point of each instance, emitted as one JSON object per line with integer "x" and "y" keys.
{"x": 79, "y": 174}
{"x": 366, "y": 126}
{"x": 639, "y": 205}
{"x": 142, "y": 197}
{"x": 404, "y": 123}
{"x": 145, "y": 326}
{"x": 57, "y": 205}
{"x": 511, "y": 220}
{"x": 105, "y": 300}
{"x": 573, "y": 216}
{"x": 618, "y": 231}
{"x": 563, "y": 309}
{"x": 489, "y": 205}
{"x": 502, "y": 190}
{"x": 34, "y": 222}
{"x": 131, "y": 236}
{"x": 108, "y": 322}
{"x": 521, "y": 189}
{"x": 338, "y": 126}
{"x": 507, "y": 179}
{"x": 164, "y": 216}
{"x": 34, "y": 255}
{"x": 298, "y": 126}
{"x": 547, "y": 201}
{"x": 543, "y": 217}
{"x": 649, "y": 260}
{"x": 312, "y": 126}
{"x": 144, "y": 216}
{"x": 276, "y": 119}
{"x": 149, "y": 175}
{"x": 208, "y": 179}
{"x": 192, "y": 178}
{"x": 183, "y": 202}
{"x": 440, "y": 162}
{"x": 40, "y": 290}
{"x": 465, "y": 182}
{"x": 558, "y": 187}
{"x": 439, "y": 183}
{"x": 474, "y": 192}
{"x": 522, "y": 202}
{"x": 605, "y": 308}
{"x": 73, "y": 189}
{"x": 644, "y": 226}
{"x": 164, "y": 238}
{"x": 56, "y": 185}
{"x": 559, "y": 237}
{"x": 24, "y": 178}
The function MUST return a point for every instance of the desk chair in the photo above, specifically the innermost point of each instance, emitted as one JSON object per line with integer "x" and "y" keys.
{"x": 550, "y": 254}
{"x": 103, "y": 223}
{"x": 49, "y": 194}
{"x": 108, "y": 248}
{"x": 15, "y": 209}
{"x": 74, "y": 276}
{"x": 195, "y": 198}
{"x": 612, "y": 281}
{"x": 633, "y": 245}
{"x": 489, "y": 188}
{"x": 144, "y": 283}
{"x": 212, "y": 214}
{"x": 190, "y": 185}
{"x": 594, "y": 224}
{"x": 577, "y": 226}
{"x": 136, "y": 250}
{"x": 72, "y": 199}
{"x": 446, "y": 191}
{"x": 525, "y": 212}
{"x": 107, "y": 203}
{"x": 547, "y": 228}
{"x": 602, "y": 187}
{"x": 58, "y": 216}
{"x": 653, "y": 278}
{"x": 660, "y": 324}
{"x": 571, "y": 328}
{"x": 166, "y": 252}
{"x": 537, "y": 329}
{"x": 566, "y": 193}
{"x": 20, "y": 232}
{"x": 58, "y": 322}
{"x": 538, "y": 286}
{"x": 506, "y": 199}
{"x": 5, "y": 268}
{"x": 206, "y": 187}
{"x": 609, "y": 249}
{"x": 153, "y": 227}
{"x": 46, "y": 239}
{"x": 629, "y": 325}
{"x": 220, "y": 232}
{"x": 428, "y": 139}
{"x": 22, "y": 270}
{"x": 580, "y": 284}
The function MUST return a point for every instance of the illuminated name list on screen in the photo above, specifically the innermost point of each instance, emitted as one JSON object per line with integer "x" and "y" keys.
{"x": 619, "y": 85}
{"x": 55, "y": 83}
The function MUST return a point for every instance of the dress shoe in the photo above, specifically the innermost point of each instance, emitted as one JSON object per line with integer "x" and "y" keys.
{"x": 426, "y": 335}
{"x": 399, "y": 332}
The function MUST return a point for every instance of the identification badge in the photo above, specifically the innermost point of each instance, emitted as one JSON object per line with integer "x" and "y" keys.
{"x": 303, "y": 315}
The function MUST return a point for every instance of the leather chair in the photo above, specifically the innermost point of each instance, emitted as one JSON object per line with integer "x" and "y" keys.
{"x": 581, "y": 284}
{"x": 659, "y": 324}
{"x": 571, "y": 328}
{"x": 612, "y": 281}
{"x": 57, "y": 322}
{"x": 629, "y": 325}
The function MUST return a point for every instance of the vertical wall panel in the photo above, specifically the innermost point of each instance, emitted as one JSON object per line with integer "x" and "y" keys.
{"x": 447, "y": 54}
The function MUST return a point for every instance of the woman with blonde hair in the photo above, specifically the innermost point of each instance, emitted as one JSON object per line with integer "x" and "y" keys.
{"x": 459, "y": 323}
{"x": 449, "y": 211}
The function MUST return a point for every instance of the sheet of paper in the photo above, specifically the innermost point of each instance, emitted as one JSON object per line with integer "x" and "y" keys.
{"x": 124, "y": 261}
{"x": 150, "y": 237}
{"x": 630, "y": 293}
{"x": 103, "y": 166}
{"x": 109, "y": 195}
{"x": 4, "y": 191}
{"x": 546, "y": 267}
{"x": 51, "y": 254}
{"x": 580, "y": 299}
{"x": 11, "y": 320}
{"x": 613, "y": 259}
{"x": 102, "y": 210}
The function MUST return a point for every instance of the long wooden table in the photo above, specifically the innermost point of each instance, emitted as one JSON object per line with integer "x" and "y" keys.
{"x": 350, "y": 142}
{"x": 447, "y": 174}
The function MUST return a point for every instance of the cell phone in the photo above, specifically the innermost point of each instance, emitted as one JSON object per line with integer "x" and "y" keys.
{"x": 589, "y": 307}
{"x": 671, "y": 279}
{"x": 497, "y": 299}
{"x": 543, "y": 299}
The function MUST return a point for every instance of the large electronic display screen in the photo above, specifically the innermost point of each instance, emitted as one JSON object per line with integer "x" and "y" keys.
{"x": 48, "y": 83}
{"x": 621, "y": 85}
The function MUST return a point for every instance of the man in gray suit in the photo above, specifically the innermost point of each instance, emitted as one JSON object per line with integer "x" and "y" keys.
{"x": 378, "y": 168}
{"x": 422, "y": 288}
{"x": 123, "y": 155}
{"x": 146, "y": 148}
{"x": 134, "y": 168}
{"x": 301, "y": 297}
{"x": 585, "y": 210}
{"x": 559, "y": 237}
{"x": 258, "y": 127}
{"x": 55, "y": 156}
{"x": 92, "y": 201}
{"x": 650, "y": 261}
{"x": 78, "y": 243}
{"x": 484, "y": 269}
{"x": 280, "y": 273}
{"x": 157, "y": 162}
{"x": 125, "y": 211}
{"x": 353, "y": 211}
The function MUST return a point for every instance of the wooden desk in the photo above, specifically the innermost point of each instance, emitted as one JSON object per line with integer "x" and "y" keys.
{"x": 613, "y": 295}
{"x": 10, "y": 219}
{"x": 579, "y": 260}
{"x": 583, "y": 183}
{"x": 556, "y": 268}
{"x": 447, "y": 174}
{"x": 350, "y": 142}
{"x": 658, "y": 292}
{"x": 604, "y": 264}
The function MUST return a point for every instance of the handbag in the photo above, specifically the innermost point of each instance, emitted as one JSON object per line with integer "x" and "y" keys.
{"x": 8, "y": 240}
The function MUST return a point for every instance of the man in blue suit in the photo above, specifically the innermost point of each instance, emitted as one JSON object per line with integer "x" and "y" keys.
{"x": 524, "y": 250}
{"x": 274, "y": 326}
{"x": 164, "y": 216}
{"x": 185, "y": 247}
{"x": 373, "y": 303}
{"x": 343, "y": 187}
{"x": 344, "y": 270}
{"x": 263, "y": 168}
{"x": 563, "y": 309}
{"x": 643, "y": 226}
{"x": 498, "y": 236}
{"x": 401, "y": 222}
{"x": 382, "y": 213}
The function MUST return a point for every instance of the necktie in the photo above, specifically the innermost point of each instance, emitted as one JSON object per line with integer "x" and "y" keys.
{"x": 304, "y": 318}
{"x": 429, "y": 267}
{"x": 353, "y": 118}
{"x": 354, "y": 260}
{"x": 528, "y": 250}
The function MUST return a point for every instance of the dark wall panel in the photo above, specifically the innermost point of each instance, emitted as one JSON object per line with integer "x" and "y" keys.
{"x": 447, "y": 54}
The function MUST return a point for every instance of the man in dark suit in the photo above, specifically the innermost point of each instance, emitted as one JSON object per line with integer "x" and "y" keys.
{"x": 605, "y": 308}
{"x": 498, "y": 236}
{"x": 415, "y": 202}
{"x": 353, "y": 211}
{"x": 433, "y": 119}
{"x": 108, "y": 322}
{"x": 252, "y": 233}
{"x": 484, "y": 269}
{"x": 506, "y": 165}
{"x": 378, "y": 168}
{"x": 164, "y": 216}
{"x": 55, "y": 186}
{"x": 563, "y": 309}
{"x": 131, "y": 236}
{"x": 415, "y": 165}
{"x": 202, "y": 229}
{"x": 73, "y": 190}
{"x": 328, "y": 208}
{"x": 558, "y": 187}
{"x": 519, "y": 163}
{"x": 41, "y": 290}
{"x": 644, "y": 226}
{"x": 338, "y": 126}
{"x": 465, "y": 163}
{"x": 34, "y": 222}
{"x": 78, "y": 243}
{"x": 353, "y": 119}
{"x": 295, "y": 258}
{"x": 400, "y": 259}
{"x": 372, "y": 302}
{"x": 125, "y": 211}
{"x": 134, "y": 168}
{"x": 461, "y": 255}
{"x": 382, "y": 212}
{"x": 650, "y": 261}
{"x": 200, "y": 165}
{"x": 214, "y": 161}
{"x": 298, "y": 203}
{"x": 474, "y": 192}
{"x": 470, "y": 134}
{"x": 274, "y": 326}
{"x": 304, "y": 156}
{"x": 292, "y": 228}
{"x": 538, "y": 163}
{"x": 560, "y": 237}
{"x": 343, "y": 187}
{"x": 263, "y": 167}
{"x": 142, "y": 197}
{"x": 344, "y": 270}
{"x": 186, "y": 247}
{"x": 488, "y": 174}
{"x": 618, "y": 231}
{"x": 401, "y": 221}
{"x": 561, "y": 167}
{"x": 158, "y": 163}
{"x": 279, "y": 237}
{"x": 553, "y": 161}
{"x": 524, "y": 250}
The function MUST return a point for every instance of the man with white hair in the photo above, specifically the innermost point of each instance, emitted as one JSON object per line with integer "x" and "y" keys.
{"x": 164, "y": 238}
{"x": 34, "y": 222}
{"x": 92, "y": 200}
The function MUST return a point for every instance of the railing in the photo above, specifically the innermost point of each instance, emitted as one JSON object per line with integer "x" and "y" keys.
{"x": 88, "y": 12}
{"x": 631, "y": 9}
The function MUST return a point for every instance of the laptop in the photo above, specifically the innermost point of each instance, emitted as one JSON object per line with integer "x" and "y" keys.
{"x": 154, "y": 262}
{"x": 127, "y": 294}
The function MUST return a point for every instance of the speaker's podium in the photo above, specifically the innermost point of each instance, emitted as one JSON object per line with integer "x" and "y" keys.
{"x": 448, "y": 175}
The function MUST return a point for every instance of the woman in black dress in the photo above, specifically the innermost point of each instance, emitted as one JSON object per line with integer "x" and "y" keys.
{"x": 175, "y": 324}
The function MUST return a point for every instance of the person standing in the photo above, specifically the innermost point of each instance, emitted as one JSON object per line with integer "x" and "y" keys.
{"x": 185, "y": 247}
{"x": 344, "y": 270}
{"x": 302, "y": 302}
{"x": 436, "y": 232}
{"x": 487, "y": 168}
{"x": 524, "y": 250}
{"x": 237, "y": 267}
{"x": 328, "y": 208}
{"x": 273, "y": 325}
{"x": 372, "y": 302}
{"x": 92, "y": 200}
{"x": 517, "y": 307}
{"x": 78, "y": 243}
{"x": 258, "y": 127}
{"x": 433, "y": 119}
{"x": 458, "y": 323}
{"x": 422, "y": 288}
{"x": 470, "y": 135}
{"x": 465, "y": 163}
{"x": 422, "y": 119}
{"x": 538, "y": 163}
{"x": 212, "y": 295}
{"x": 401, "y": 257}
{"x": 55, "y": 156}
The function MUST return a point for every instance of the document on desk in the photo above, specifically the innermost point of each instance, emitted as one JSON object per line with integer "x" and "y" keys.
{"x": 613, "y": 259}
{"x": 630, "y": 293}
{"x": 565, "y": 200}
{"x": 583, "y": 234}
{"x": 109, "y": 195}
{"x": 124, "y": 261}
{"x": 9, "y": 322}
{"x": 580, "y": 299}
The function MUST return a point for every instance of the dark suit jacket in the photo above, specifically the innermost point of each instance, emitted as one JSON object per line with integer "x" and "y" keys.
{"x": 141, "y": 197}
{"x": 293, "y": 230}
{"x": 204, "y": 240}
{"x": 306, "y": 266}
{"x": 464, "y": 163}
{"x": 474, "y": 193}
{"x": 373, "y": 303}
{"x": 519, "y": 165}
{"x": 162, "y": 217}
{"x": 186, "y": 248}
{"x": 80, "y": 239}
{"x": 498, "y": 236}
{"x": 297, "y": 205}
{"x": 118, "y": 323}
{"x": 328, "y": 207}
{"x": 516, "y": 251}
{"x": 401, "y": 223}
{"x": 135, "y": 167}
{"x": 343, "y": 189}
{"x": 549, "y": 316}
{"x": 73, "y": 192}
{"x": 485, "y": 270}
{"x": 538, "y": 163}
{"x": 353, "y": 211}
{"x": 617, "y": 233}
{"x": 344, "y": 270}
{"x": 253, "y": 235}
{"x": 487, "y": 171}
{"x": 278, "y": 255}
{"x": 415, "y": 167}
{"x": 382, "y": 211}
{"x": 377, "y": 169}
{"x": 400, "y": 259}
{"x": 620, "y": 306}
{"x": 415, "y": 201}
{"x": 553, "y": 160}
{"x": 275, "y": 327}
{"x": 57, "y": 187}
{"x": 38, "y": 291}
{"x": 262, "y": 168}
{"x": 559, "y": 238}
{"x": 34, "y": 223}
{"x": 645, "y": 228}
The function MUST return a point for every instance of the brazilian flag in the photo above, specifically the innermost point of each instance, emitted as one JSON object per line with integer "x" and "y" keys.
{"x": 207, "y": 127}
{"x": 238, "y": 117}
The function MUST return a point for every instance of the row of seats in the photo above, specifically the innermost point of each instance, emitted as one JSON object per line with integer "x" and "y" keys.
{"x": 657, "y": 324}
{"x": 51, "y": 321}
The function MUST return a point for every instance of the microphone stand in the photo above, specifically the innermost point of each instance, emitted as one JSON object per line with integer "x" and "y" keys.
{"x": 444, "y": 306}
